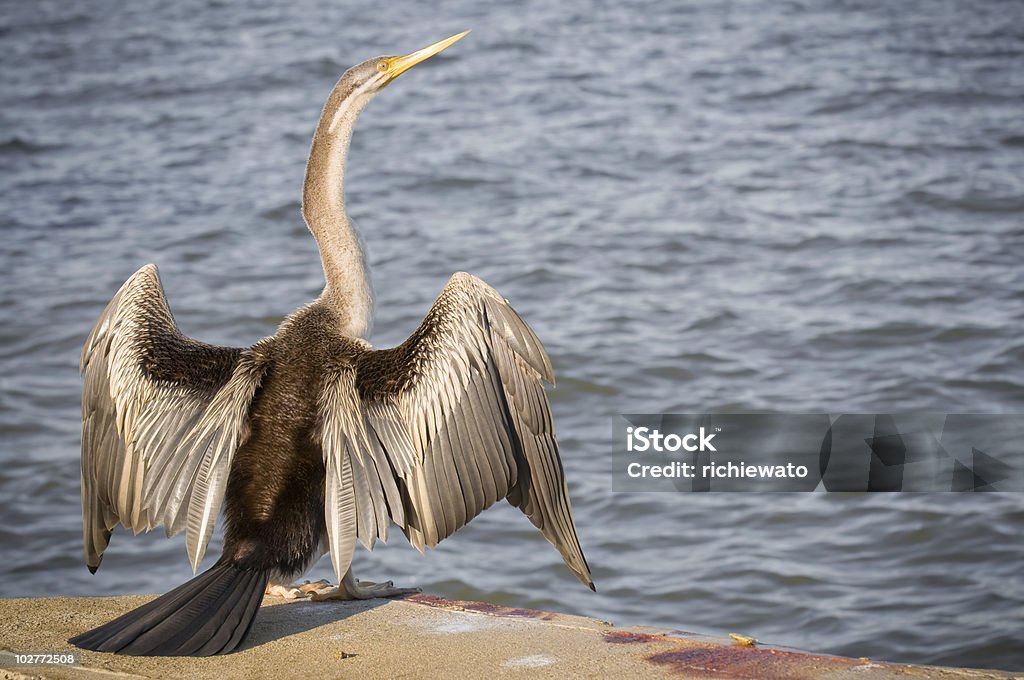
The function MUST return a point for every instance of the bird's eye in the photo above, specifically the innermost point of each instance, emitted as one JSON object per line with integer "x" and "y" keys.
{"x": 382, "y": 66}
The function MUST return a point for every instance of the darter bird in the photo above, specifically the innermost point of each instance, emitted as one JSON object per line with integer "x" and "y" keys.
{"x": 311, "y": 438}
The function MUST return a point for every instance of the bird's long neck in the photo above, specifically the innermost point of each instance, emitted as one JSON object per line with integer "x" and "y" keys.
{"x": 348, "y": 287}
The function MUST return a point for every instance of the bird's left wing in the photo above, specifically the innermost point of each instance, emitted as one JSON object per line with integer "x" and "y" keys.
{"x": 432, "y": 432}
{"x": 161, "y": 417}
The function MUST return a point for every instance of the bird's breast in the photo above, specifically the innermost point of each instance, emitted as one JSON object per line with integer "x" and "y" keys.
{"x": 274, "y": 503}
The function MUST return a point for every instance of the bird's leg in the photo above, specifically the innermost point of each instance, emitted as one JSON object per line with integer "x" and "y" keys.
{"x": 351, "y": 589}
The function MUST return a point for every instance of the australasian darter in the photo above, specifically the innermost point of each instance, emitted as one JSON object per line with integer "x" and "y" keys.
{"x": 311, "y": 439}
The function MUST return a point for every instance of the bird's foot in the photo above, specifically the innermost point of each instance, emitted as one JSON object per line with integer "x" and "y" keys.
{"x": 287, "y": 592}
{"x": 301, "y": 591}
{"x": 352, "y": 589}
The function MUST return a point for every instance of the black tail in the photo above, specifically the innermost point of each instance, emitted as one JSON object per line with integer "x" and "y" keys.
{"x": 211, "y": 614}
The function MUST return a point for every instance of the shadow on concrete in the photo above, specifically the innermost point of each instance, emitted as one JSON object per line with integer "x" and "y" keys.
{"x": 280, "y": 621}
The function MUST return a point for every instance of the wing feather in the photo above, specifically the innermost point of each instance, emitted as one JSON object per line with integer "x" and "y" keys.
{"x": 161, "y": 417}
{"x": 457, "y": 415}
{"x": 345, "y": 446}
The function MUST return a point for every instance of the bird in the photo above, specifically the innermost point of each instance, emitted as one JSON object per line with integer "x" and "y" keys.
{"x": 311, "y": 439}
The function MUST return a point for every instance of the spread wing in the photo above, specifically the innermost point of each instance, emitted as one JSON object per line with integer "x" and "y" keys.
{"x": 430, "y": 433}
{"x": 162, "y": 415}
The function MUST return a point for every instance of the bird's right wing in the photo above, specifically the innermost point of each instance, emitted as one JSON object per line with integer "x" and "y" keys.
{"x": 162, "y": 415}
{"x": 430, "y": 433}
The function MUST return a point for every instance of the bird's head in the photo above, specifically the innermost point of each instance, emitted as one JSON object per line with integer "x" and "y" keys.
{"x": 361, "y": 82}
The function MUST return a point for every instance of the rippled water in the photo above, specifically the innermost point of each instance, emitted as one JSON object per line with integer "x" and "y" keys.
{"x": 747, "y": 205}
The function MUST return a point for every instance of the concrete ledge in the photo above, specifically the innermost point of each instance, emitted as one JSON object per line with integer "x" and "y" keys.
{"x": 423, "y": 636}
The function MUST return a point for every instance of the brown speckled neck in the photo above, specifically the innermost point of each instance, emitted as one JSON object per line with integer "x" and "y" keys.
{"x": 347, "y": 287}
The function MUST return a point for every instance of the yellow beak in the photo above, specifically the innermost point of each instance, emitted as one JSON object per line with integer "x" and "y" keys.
{"x": 399, "y": 65}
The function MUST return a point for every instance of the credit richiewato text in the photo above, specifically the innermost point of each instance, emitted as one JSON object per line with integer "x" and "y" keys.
{"x": 725, "y": 471}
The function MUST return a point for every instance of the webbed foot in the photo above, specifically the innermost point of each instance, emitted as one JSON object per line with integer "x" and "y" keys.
{"x": 289, "y": 593}
{"x": 352, "y": 589}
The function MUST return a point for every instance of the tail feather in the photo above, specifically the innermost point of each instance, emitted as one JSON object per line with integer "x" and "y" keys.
{"x": 247, "y": 616}
{"x": 116, "y": 634}
{"x": 213, "y": 635}
{"x": 211, "y": 614}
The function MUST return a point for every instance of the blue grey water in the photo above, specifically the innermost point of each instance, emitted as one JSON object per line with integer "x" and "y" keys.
{"x": 750, "y": 205}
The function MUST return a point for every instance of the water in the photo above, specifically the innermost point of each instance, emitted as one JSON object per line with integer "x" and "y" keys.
{"x": 750, "y": 205}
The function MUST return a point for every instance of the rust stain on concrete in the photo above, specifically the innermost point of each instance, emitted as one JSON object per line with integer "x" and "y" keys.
{"x": 480, "y": 607}
{"x": 740, "y": 661}
{"x": 624, "y": 637}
